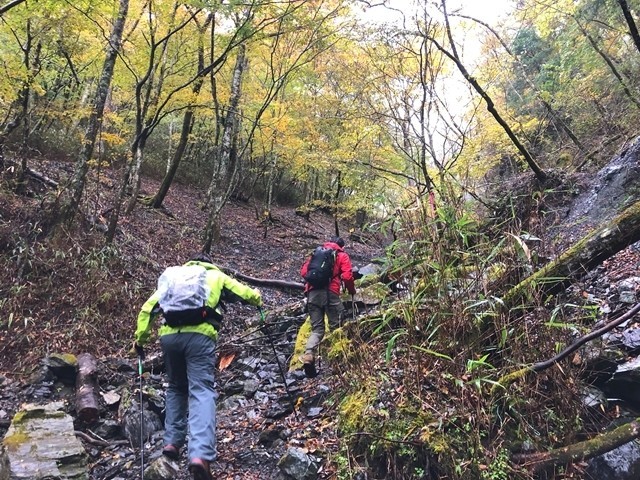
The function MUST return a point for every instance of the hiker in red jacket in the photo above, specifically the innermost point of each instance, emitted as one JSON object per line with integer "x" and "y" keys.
{"x": 326, "y": 300}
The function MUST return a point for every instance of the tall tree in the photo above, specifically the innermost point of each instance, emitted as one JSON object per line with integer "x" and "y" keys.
{"x": 452, "y": 53}
{"x": 74, "y": 193}
{"x": 187, "y": 125}
{"x": 225, "y": 166}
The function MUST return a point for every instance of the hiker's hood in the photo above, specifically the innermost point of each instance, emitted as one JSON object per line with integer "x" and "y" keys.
{"x": 334, "y": 246}
{"x": 207, "y": 265}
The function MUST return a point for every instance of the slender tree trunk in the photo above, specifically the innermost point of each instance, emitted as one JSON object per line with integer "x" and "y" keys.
{"x": 187, "y": 126}
{"x": 609, "y": 63}
{"x": 557, "y": 118}
{"x": 10, "y": 5}
{"x": 70, "y": 207}
{"x": 633, "y": 28}
{"x": 137, "y": 151}
{"x": 453, "y": 55}
{"x": 220, "y": 187}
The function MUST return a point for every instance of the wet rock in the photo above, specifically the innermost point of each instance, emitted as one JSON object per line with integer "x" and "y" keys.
{"x": 270, "y": 435}
{"x": 161, "y": 468}
{"x": 298, "y": 465}
{"x": 630, "y": 339}
{"x": 41, "y": 443}
{"x": 249, "y": 364}
{"x": 593, "y": 397}
{"x": 622, "y": 463}
{"x": 279, "y": 410}
{"x": 314, "y": 412}
{"x": 108, "y": 429}
{"x": 599, "y": 361}
{"x": 64, "y": 366}
{"x": 132, "y": 421}
{"x": 233, "y": 402}
{"x": 625, "y": 382}
{"x": 233, "y": 388}
{"x": 250, "y": 387}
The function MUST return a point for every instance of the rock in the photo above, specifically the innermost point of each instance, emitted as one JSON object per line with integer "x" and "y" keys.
{"x": 314, "y": 412}
{"x": 627, "y": 297}
{"x": 369, "y": 269}
{"x": 298, "y": 465}
{"x": 625, "y": 382}
{"x": 41, "y": 443}
{"x": 161, "y": 468}
{"x": 250, "y": 387}
{"x": 622, "y": 463}
{"x": 630, "y": 339}
{"x": 64, "y": 366}
{"x": 108, "y": 429}
{"x": 268, "y": 436}
{"x": 111, "y": 399}
{"x": 130, "y": 419}
{"x": 593, "y": 397}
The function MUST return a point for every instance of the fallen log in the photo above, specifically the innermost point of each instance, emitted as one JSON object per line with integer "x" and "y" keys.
{"x": 598, "y": 445}
{"x": 87, "y": 403}
{"x": 266, "y": 282}
{"x": 589, "y": 252}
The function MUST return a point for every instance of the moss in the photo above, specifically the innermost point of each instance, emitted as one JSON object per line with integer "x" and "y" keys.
{"x": 13, "y": 441}
{"x": 339, "y": 345}
{"x": 353, "y": 411}
{"x": 69, "y": 358}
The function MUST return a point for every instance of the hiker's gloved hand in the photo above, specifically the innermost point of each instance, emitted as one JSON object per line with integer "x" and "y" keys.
{"x": 138, "y": 349}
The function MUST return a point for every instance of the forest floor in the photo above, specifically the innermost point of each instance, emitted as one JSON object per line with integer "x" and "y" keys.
{"x": 62, "y": 301}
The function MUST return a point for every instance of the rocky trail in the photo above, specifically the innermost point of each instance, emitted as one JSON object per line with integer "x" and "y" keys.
{"x": 257, "y": 424}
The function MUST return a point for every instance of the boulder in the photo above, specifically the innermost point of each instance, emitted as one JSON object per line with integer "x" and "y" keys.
{"x": 622, "y": 463}
{"x": 297, "y": 464}
{"x": 41, "y": 443}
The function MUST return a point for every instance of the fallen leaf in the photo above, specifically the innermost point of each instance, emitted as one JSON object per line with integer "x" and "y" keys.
{"x": 225, "y": 361}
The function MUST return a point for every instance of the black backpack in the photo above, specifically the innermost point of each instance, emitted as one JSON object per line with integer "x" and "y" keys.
{"x": 320, "y": 268}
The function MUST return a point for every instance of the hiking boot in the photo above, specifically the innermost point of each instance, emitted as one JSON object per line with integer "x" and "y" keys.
{"x": 171, "y": 451}
{"x": 309, "y": 365}
{"x": 200, "y": 469}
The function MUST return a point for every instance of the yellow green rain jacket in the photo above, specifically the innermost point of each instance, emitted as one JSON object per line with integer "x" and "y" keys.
{"x": 220, "y": 284}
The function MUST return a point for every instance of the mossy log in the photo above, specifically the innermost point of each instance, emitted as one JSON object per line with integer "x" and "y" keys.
{"x": 87, "y": 404}
{"x": 598, "y": 445}
{"x": 589, "y": 252}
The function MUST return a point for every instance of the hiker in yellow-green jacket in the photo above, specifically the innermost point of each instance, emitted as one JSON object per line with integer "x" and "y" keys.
{"x": 188, "y": 348}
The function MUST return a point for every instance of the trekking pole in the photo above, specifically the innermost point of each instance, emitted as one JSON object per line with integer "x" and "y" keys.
{"x": 353, "y": 307}
{"x": 140, "y": 355}
{"x": 284, "y": 380}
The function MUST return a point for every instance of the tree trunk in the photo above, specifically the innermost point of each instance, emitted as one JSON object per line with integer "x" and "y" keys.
{"x": 187, "y": 125}
{"x": 633, "y": 28}
{"x": 70, "y": 207}
{"x": 593, "y": 249}
{"x": 453, "y": 55}
{"x": 609, "y": 63}
{"x": 555, "y": 115}
{"x": 221, "y": 183}
{"x": 10, "y": 5}
{"x": 87, "y": 404}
